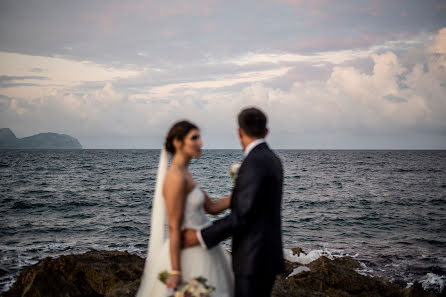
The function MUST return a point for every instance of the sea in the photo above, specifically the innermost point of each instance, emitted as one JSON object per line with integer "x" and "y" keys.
{"x": 387, "y": 209}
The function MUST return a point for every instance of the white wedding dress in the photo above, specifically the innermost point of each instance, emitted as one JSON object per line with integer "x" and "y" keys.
{"x": 213, "y": 264}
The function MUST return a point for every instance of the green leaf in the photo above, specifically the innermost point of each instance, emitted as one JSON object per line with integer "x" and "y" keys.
{"x": 163, "y": 276}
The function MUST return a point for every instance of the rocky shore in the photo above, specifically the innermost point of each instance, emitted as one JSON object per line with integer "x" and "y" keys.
{"x": 113, "y": 274}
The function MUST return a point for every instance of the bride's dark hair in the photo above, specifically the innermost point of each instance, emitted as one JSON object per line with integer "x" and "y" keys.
{"x": 178, "y": 131}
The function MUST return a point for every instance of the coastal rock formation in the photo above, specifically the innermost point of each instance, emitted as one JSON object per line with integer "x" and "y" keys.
{"x": 337, "y": 278}
{"x": 108, "y": 273}
{"x": 8, "y": 140}
{"x": 92, "y": 274}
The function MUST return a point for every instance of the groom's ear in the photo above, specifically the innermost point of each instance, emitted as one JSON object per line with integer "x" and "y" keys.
{"x": 266, "y": 132}
{"x": 241, "y": 133}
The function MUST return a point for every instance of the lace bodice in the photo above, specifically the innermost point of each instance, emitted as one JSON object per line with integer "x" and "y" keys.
{"x": 194, "y": 213}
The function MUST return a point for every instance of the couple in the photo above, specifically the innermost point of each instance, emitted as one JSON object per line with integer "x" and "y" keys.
{"x": 254, "y": 222}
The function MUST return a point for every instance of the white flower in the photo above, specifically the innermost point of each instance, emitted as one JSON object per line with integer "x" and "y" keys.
{"x": 234, "y": 170}
{"x": 196, "y": 287}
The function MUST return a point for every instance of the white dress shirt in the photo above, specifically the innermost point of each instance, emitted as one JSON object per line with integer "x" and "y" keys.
{"x": 246, "y": 152}
{"x": 252, "y": 145}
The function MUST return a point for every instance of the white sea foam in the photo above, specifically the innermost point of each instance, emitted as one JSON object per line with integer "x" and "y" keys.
{"x": 132, "y": 249}
{"x": 364, "y": 270}
{"x": 307, "y": 258}
{"x": 298, "y": 270}
{"x": 7, "y": 283}
{"x": 433, "y": 282}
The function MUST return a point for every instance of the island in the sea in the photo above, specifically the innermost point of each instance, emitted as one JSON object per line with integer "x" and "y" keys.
{"x": 8, "y": 140}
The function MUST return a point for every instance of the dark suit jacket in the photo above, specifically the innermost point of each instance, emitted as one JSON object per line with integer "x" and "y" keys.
{"x": 255, "y": 220}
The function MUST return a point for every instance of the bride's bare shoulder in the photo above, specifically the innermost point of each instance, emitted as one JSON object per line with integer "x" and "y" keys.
{"x": 174, "y": 179}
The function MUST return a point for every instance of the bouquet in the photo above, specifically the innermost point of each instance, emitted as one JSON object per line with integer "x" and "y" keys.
{"x": 234, "y": 170}
{"x": 196, "y": 287}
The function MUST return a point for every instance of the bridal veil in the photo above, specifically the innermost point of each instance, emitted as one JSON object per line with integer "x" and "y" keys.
{"x": 157, "y": 229}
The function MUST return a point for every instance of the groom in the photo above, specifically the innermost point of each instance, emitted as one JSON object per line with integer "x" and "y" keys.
{"x": 255, "y": 221}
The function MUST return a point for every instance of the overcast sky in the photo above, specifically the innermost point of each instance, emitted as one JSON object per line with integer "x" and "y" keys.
{"x": 329, "y": 74}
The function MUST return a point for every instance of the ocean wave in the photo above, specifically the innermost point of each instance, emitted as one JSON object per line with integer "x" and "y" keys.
{"x": 6, "y": 282}
{"x": 26, "y": 205}
{"x": 433, "y": 282}
{"x": 81, "y": 203}
{"x": 378, "y": 212}
{"x": 47, "y": 247}
{"x": 298, "y": 270}
{"x": 438, "y": 201}
{"x": 37, "y": 191}
{"x": 431, "y": 241}
{"x": 80, "y": 216}
{"x": 305, "y": 259}
{"x": 365, "y": 270}
{"x": 122, "y": 228}
{"x": 403, "y": 170}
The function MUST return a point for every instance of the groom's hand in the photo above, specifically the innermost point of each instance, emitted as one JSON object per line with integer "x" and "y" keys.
{"x": 190, "y": 238}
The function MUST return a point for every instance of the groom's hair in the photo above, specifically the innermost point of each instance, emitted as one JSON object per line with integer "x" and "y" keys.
{"x": 253, "y": 122}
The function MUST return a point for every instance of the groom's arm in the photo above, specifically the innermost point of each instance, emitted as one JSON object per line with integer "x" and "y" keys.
{"x": 249, "y": 185}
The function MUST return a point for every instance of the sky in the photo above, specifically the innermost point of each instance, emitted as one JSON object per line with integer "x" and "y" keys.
{"x": 329, "y": 74}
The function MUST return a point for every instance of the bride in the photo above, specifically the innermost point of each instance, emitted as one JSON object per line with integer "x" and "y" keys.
{"x": 186, "y": 204}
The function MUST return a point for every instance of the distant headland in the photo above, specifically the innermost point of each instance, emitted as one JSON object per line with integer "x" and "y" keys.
{"x": 8, "y": 140}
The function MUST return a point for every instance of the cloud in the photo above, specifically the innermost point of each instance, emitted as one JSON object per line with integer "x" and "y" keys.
{"x": 393, "y": 98}
{"x": 332, "y": 57}
{"x": 130, "y": 69}
{"x": 7, "y": 81}
{"x": 220, "y": 82}
{"x": 37, "y": 70}
{"x": 390, "y": 100}
{"x": 114, "y": 32}
{"x": 17, "y": 77}
{"x": 439, "y": 44}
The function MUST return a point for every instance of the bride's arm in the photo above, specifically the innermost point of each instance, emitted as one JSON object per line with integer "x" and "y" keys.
{"x": 175, "y": 193}
{"x": 216, "y": 207}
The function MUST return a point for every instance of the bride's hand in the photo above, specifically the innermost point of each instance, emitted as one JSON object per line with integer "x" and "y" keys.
{"x": 173, "y": 281}
{"x": 190, "y": 238}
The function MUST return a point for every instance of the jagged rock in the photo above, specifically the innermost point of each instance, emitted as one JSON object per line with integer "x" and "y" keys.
{"x": 93, "y": 274}
{"x": 338, "y": 278}
{"x": 297, "y": 251}
{"x": 113, "y": 274}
